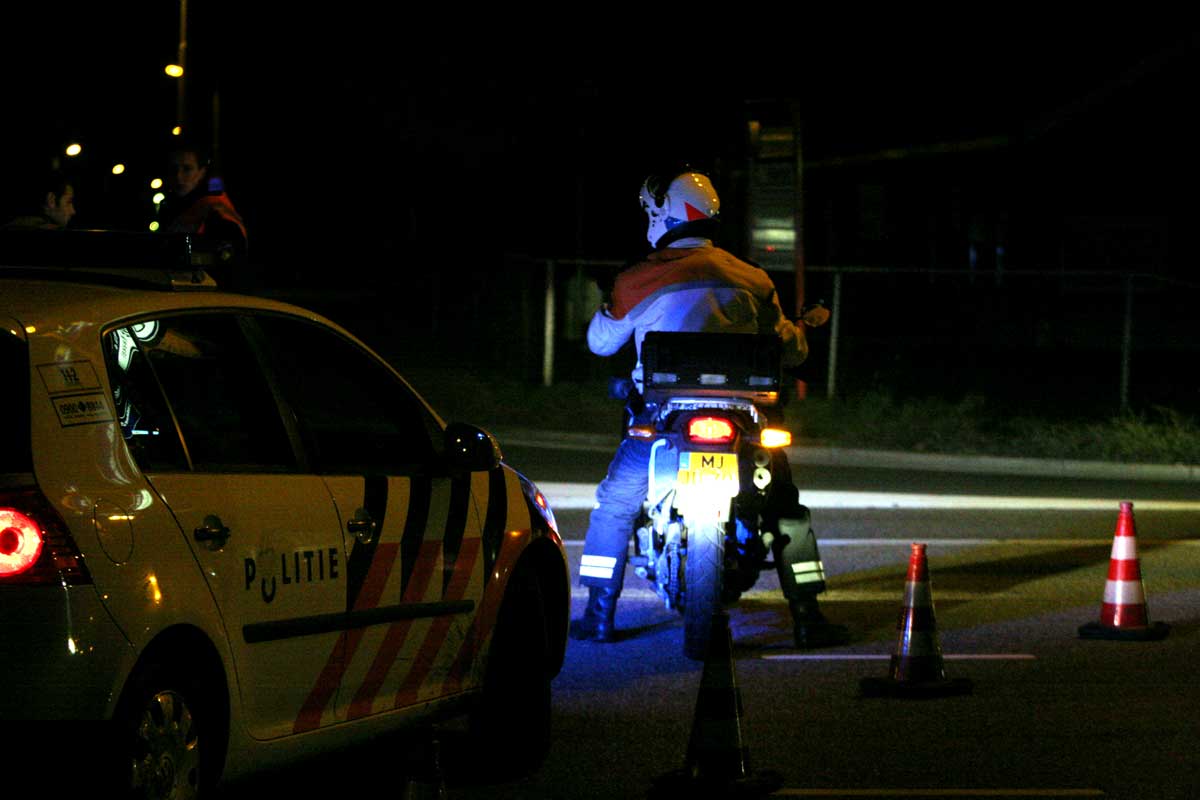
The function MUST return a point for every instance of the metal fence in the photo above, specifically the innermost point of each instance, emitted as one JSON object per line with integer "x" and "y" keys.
{"x": 1059, "y": 338}
{"x": 1072, "y": 338}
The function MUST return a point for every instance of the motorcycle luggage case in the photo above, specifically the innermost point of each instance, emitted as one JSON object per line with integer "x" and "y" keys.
{"x": 711, "y": 364}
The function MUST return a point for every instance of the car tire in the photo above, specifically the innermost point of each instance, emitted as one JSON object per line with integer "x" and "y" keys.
{"x": 168, "y": 737}
{"x": 511, "y": 723}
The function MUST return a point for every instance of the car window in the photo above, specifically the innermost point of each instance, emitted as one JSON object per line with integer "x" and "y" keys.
{"x": 213, "y": 383}
{"x": 15, "y": 453}
{"x": 353, "y": 413}
{"x": 145, "y": 419}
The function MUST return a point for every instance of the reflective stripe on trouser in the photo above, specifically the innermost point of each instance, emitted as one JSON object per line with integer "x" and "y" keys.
{"x": 797, "y": 559}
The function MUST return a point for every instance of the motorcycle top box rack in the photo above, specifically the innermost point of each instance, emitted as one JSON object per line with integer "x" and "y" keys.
{"x": 711, "y": 365}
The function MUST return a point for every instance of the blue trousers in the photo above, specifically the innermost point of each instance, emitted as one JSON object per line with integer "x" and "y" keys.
{"x": 618, "y": 504}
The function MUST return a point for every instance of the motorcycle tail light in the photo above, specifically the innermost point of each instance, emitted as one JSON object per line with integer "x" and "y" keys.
{"x": 775, "y": 437}
{"x": 710, "y": 430}
{"x": 35, "y": 547}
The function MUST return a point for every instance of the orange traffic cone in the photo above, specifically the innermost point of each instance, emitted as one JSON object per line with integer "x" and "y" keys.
{"x": 718, "y": 761}
{"x": 917, "y": 669}
{"x": 1123, "y": 613}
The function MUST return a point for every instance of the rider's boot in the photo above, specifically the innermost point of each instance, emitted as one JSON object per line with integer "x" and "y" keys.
{"x": 596, "y": 624}
{"x": 809, "y": 626}
{"x": 802, "y": 578}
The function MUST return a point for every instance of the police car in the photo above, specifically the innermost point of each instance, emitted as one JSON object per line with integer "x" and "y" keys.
{"x": 232, "y": 532}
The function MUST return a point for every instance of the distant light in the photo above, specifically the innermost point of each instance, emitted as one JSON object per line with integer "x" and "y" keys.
{"x": 176, "y": 130}
{"x": 156, "y": 183}
{"x": 174, "y": 70}
{"x": 30, "y": 329}
{"x": 118, "y": 169}
{"x": 74, "y": 149}
{"x": 158, "y": 198}
{"x": 154, "y": 225}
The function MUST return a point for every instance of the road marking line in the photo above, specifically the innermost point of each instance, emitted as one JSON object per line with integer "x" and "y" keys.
{"x": 883, "y": 657}
{"x": 582, "y": 496}
{"x": 938, "y": 793}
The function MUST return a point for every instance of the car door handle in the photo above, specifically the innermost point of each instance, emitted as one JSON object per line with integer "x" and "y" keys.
{"x": 362, "y": 526}
{"x": 212, "y": 533}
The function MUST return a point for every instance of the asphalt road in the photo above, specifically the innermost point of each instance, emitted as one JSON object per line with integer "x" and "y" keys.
{"x": 1050, "y": 715}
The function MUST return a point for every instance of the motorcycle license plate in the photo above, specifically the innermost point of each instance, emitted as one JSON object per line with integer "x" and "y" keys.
{"x": 716, "y": 471}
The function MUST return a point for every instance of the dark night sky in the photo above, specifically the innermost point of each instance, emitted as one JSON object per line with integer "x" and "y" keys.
{"x": 427, "y": 136}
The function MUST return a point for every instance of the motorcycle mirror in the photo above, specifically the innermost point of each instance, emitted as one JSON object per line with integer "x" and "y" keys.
{"x": 815, "y": 316}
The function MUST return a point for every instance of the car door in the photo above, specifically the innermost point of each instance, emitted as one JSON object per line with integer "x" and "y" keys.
{"x": 415, "y": 565}
{"x": 264, "y": 533}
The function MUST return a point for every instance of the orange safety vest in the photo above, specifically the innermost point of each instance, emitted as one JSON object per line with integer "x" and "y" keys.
{"x": 193, "y": 218}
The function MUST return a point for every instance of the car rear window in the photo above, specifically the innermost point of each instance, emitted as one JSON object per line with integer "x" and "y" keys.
{"x": 16, "y": 454}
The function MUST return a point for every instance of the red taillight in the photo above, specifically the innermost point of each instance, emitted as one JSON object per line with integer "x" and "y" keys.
{"x": 20, "y": 542}
{"x": 35, "y": 547}
{"x": 710, "y": 430}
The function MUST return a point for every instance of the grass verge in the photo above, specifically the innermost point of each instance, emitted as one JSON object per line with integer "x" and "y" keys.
{"x": 970, "y": 426}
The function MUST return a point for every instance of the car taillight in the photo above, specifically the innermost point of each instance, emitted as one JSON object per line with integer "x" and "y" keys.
{"x": 20, "y": 542}
{"x": 710, "y": 430}
{"x": 35, "y": 547}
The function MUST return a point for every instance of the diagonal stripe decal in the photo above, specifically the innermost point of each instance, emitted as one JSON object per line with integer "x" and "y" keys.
{"x": 368, "y": 569}
{"x": 414, "y": 527}
{"x": 396, "y": 634}
{"x": 362, "y": 555}
{"x": 494, "y": 520}
{"x": 489, "y": 610}
{"x": 456, "y": 527}
{"x": 331, "y": 675}
{"x": 436, "y": 636}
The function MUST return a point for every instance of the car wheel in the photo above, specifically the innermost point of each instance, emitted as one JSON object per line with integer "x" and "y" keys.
{"x": 167, "y": 744}
{"x": 511, "y": 724}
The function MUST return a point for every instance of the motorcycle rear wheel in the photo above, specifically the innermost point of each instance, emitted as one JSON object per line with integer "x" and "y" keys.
{"x": 703, "y": 569}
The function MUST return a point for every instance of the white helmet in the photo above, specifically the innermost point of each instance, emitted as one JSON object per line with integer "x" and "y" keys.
{"x": 678, "y": 205}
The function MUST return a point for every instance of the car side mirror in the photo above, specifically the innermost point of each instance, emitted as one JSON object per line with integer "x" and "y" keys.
{"x": 471, "y": 449}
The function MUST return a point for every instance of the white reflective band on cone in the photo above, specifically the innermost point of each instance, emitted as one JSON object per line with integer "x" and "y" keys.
{"x": 1124, "y": 593}
{"x": 1124, "y": 548}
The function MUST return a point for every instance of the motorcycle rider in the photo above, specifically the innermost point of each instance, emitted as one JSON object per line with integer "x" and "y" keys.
{"x": 687, "y": 284}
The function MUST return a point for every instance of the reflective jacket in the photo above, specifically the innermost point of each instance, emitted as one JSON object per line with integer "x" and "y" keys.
{"x": 692, "y": 289}
{"x": 206, "y": 212}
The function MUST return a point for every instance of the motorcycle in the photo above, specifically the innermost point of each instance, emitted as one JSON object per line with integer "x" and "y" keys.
{"x": 720, "y": 498}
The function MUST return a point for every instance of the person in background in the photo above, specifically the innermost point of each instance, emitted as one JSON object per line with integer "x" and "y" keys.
{"x": 52, "y": 201}
{"x": 196, "y": 204}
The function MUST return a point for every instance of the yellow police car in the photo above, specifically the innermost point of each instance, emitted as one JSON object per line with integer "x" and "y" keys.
{"x": 234, "y": 533}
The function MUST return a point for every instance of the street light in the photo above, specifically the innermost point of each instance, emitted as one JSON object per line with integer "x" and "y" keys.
{"x": 74, "y": 149}
{"x": 118, "y": 169}
{"x": 174, "y": 70}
